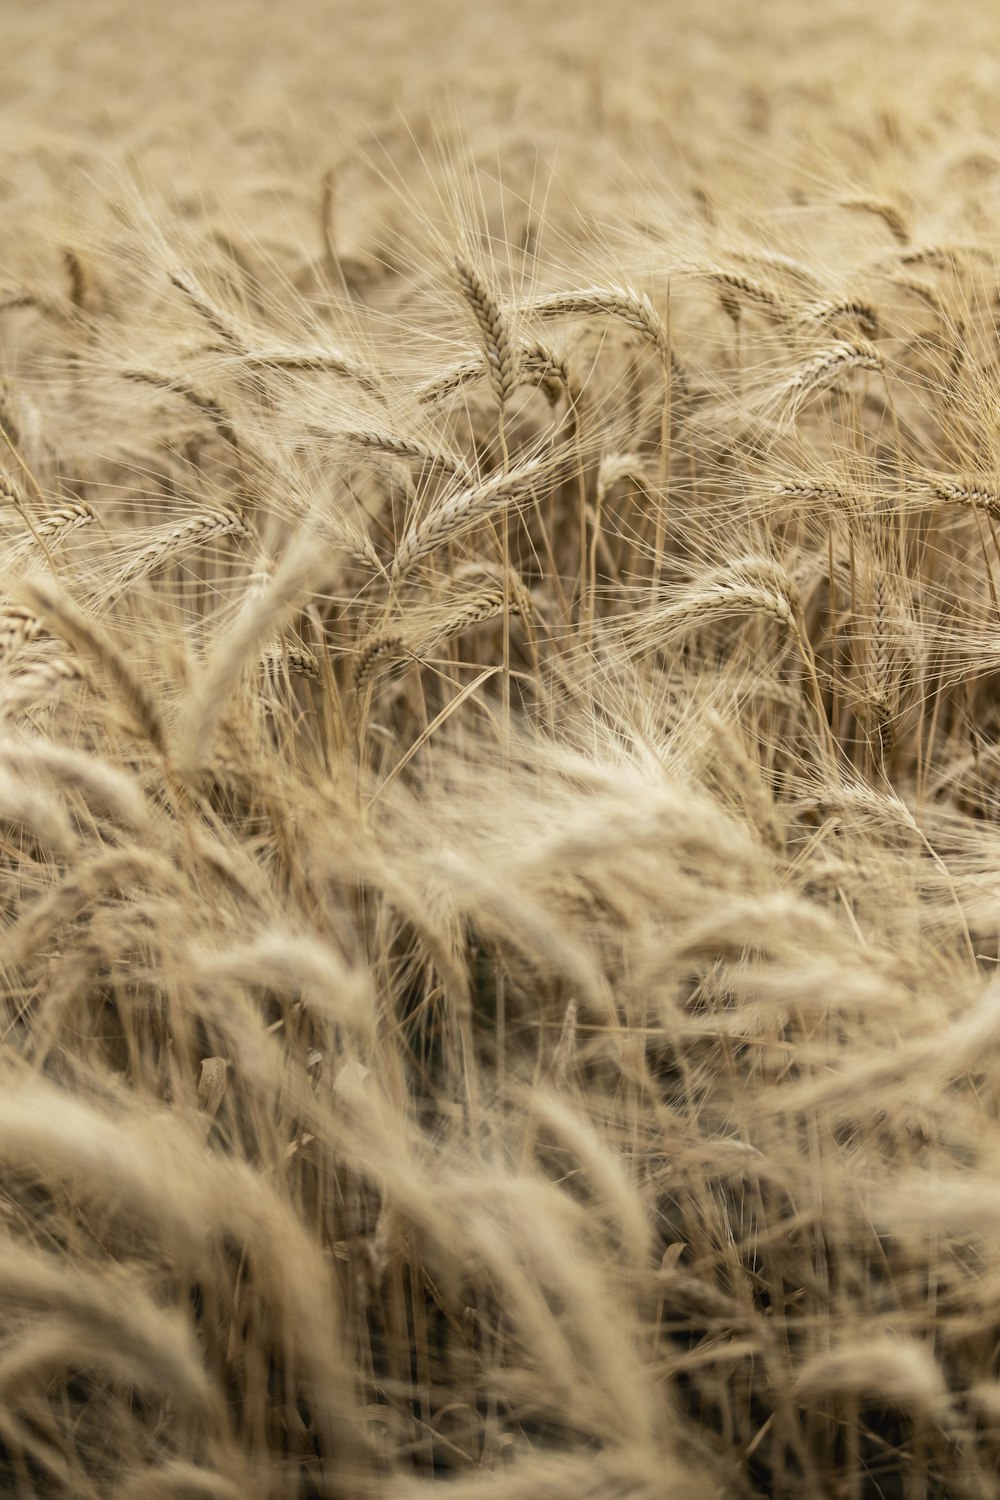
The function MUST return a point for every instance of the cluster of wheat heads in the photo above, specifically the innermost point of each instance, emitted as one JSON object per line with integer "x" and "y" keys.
{"x": 499, "y": 864}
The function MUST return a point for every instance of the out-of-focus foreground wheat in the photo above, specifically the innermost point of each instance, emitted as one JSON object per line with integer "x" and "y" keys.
{"x": 499, "y": 707}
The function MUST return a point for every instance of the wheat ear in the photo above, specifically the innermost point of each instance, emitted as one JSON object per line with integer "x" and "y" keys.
{"x": 67, "y": 621}
{"x": 628, "y": 305}
{"x": 170, "y": 542}
{"x": 463, "y": 510}
{"x": 498, "y": 345}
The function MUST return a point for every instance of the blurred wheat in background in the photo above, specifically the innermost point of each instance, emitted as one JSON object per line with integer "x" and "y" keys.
{"x": 499, "y": 776}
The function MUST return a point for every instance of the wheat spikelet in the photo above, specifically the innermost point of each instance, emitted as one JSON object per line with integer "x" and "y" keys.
{"x": 827, "y": 367}
{"x": 833, "y": 311}
{"x": 76, "y": 771}
{"x": 17, "y": 627}
{"x": 110, "y": 1322}
{"x": 279, "y": 658}
{"x": 472, "y": 607}
{"x": 977, "y": 494}
{"x": 498, "y": 345}
{"x": 67, "y": 518}
{"x": 12, "y": 297}
{"x": 450, "y": 381}
{"x": 543, "y": 367}
{"x": 378, "y": 649}
{"x": 463, "y": 510}
{"x": 11, "y": 492}
{"x": 939, "y": 257}
{"x": 889, "y": 213}
{"x": 212, "y": 1085}
{"x": 76, "y": 275}
{"x": 397, "y": 446}
{"x": 535, "y": 365}
{"x": 171, "y": 542}
{"x": 627, "y": 304}
{"x": 897, "y": 1369}
{"x": 479, "y": 605}
{"x": 54, "y": 526}
{"x": 615, "y": 467}
{"x": 207, "y": 405}
{"x": 37, "y": 681}
{"x": 68, "y": 622}
{"x": 318, "y": 359}
{"x": 786, "y": 266}
{"x": 220, "y": 322}
{"x": 811, "y": 489}
{"x": 735, "y": 290}
{"x": 702, "y": 606}
{"x": 262, "y": 614}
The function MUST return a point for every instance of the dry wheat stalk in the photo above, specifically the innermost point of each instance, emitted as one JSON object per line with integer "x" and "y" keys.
{"x": 882, "y": 680}
{"x": 565, "y": 1049}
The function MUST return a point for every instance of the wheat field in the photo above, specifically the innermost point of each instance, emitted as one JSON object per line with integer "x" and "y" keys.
{"x": 499, "y": 773}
